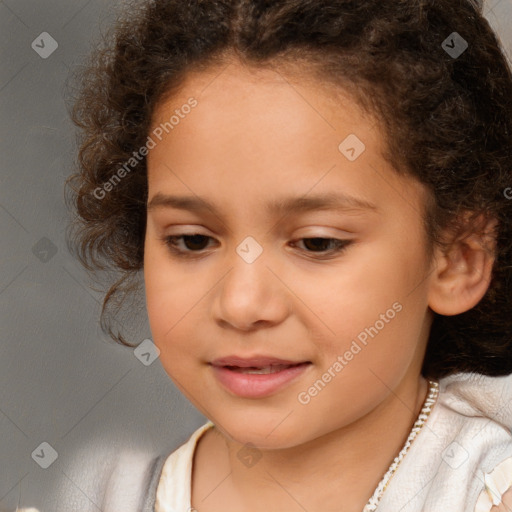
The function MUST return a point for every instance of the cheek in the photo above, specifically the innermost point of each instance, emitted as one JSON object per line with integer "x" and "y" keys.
{"x": 168, "y": 307}
{"x": 372, "y": 308}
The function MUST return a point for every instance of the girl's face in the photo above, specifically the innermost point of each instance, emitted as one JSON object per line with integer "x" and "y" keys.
{"x": 261, "y": 280}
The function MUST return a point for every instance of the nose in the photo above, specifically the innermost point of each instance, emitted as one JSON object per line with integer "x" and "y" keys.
{"x": 251, "y": 296}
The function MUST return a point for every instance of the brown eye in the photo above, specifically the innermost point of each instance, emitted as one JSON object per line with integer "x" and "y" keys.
{"x": 193, "y": 242}
{"x": 319, "y": 245}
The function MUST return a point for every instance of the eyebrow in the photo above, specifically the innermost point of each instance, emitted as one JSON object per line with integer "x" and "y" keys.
{"x": 329, "y": 201}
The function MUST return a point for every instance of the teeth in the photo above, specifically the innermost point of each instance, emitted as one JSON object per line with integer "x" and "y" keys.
{"x": 261, "y": 371}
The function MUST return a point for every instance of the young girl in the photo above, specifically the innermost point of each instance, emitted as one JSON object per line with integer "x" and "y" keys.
{"x": 318, "y": 194}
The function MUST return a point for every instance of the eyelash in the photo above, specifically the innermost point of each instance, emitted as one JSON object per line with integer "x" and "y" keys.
{"x": 169, "y": 241}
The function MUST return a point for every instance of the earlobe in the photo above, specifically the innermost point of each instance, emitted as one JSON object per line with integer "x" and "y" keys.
{"x": 462, "y": 274}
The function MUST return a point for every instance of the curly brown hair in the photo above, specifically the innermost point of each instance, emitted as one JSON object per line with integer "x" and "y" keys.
{"x": 447, "y": 119}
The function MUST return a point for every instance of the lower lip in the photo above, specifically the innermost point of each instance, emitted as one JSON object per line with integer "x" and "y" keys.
{"x": 253, "y": 385}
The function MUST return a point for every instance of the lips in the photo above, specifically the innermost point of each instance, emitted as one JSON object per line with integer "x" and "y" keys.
{"x": 260, "y": 370}
{"x": 260, "y": 365}
{"x": 258, "y": 376}
{"x": 254, "y": 362}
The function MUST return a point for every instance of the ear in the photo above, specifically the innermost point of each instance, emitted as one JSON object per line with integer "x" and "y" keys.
{"x": 462, "y": 270}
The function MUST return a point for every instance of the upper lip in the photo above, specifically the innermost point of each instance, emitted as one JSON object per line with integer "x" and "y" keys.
{"x": 256, "y": 361}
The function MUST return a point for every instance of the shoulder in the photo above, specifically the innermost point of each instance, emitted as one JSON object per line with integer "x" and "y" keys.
{"x": 128, "y": 484}
{"x": 473, "y": 422}
{"x": 479, "y": 396}
{"x": 474, "y": 413}
{"x": 140, "y": 481}
{"x": 97, "y": 476}
{"x": 466, "y": 437}
{"x": 81, "y": 484}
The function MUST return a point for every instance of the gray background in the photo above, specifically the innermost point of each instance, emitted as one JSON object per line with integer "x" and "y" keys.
{"x": 62, "y": 381}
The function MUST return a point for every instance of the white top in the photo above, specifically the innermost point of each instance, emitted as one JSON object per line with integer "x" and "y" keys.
{"x": 460, "y": 461}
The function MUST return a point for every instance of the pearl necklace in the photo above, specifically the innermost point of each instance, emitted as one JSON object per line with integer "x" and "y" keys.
{"x": 433, "y": 392}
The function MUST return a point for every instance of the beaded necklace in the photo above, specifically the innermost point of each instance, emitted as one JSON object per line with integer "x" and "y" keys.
{"x": 433, "y": 392}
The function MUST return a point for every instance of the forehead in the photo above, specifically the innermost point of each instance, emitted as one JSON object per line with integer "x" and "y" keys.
{"x": 259, "y": 130}
{"x": 238, "y": 93}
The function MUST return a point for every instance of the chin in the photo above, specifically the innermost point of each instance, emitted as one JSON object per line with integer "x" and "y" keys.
{"x": 265, "y": 434}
